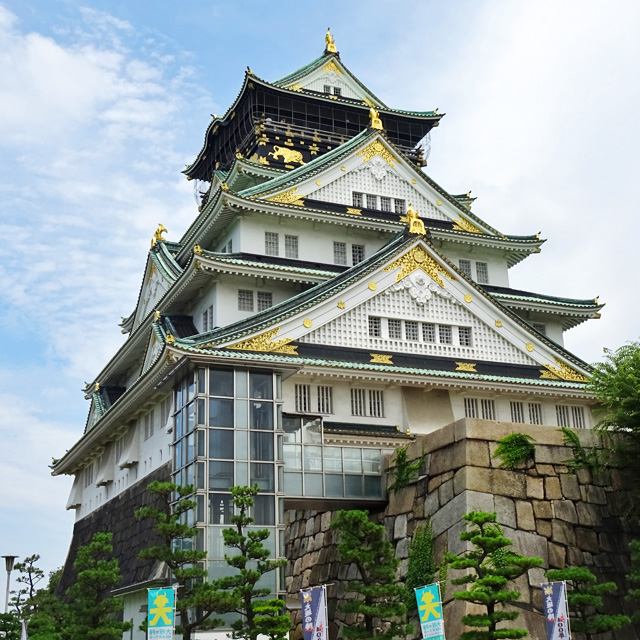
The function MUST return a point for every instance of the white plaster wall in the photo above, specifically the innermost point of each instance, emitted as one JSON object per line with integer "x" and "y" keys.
{"x": 496, "y": 263}
{"x": 133, "y": 602}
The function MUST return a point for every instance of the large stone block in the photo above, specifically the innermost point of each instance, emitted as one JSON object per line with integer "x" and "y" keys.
{"x": 524, "y": 516}
{"x": 588, "y": 514}
{"x": 565, "y": 510}
{"x": 557, "y": 556}
{"x": 552, "y": 489}
{"x": 587, "y": 540}
{"x": 506, "y": 511}
{"x": 325, "y": 520}
{"x": 401, "y": 501}
{"x": 309, "y": 527}
{"x": 542, "y": 509}
{"x": 431, "y": 504}
{"x": 496, "y": 481}
{"x": 591, "y": 493}
{"x": 552, "y": 454}
{"x": 563, "y": 533}
{"x": 543, "y": 527}
{"x": 445, "y": 492}
{"x": 535, "y": 488}
{"x": 569, "y": 484}
{"x": 529, "y": 544}
{"x": 453, "y": 511}
{"x": 400, "y": 527}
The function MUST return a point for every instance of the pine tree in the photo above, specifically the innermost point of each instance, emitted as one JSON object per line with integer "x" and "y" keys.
{"x": 258, "y": 616}
{"x": 48, "y": 613}
{"x": 493, "y": 565}
{"x": 197, "y": 600}
{"x": 381, "y": 606}
{"x": 585, "y": 600}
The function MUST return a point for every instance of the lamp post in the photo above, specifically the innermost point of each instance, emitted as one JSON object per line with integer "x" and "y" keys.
{"x": 8, "y": 561}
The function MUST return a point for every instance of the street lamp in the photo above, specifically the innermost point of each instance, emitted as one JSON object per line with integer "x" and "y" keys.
{"x": 8, "y": 561}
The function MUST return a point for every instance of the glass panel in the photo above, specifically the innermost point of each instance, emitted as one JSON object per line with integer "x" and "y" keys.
{"x": 334, "y": 485}
{"x": 292, "y": 429}
{"x": 201, "y": 380}
{"x": 178, "y": 397}
{"x": 264, "y": 510}
{"x": 200, "y": 475}
{"x": 241, "y": 384}
{"x": 200, "y": 438}
{"x": 372, "y": 460}
{"x": 217, "y": 548}
{"x": 373, "y": 486}
{"x": 261, "y": 385}
{"x": 292, "y": 456}
{"x": 353, "y": 486}
{"x": 189, "y": 472}
{"x": 262, "y": 474}
{"x": 278, "y": 386}
{"x": 220, "y": 382}
{"x": 241, "y": 445}
{"x": 280, "y": 481}
{"x": 262, "y": 415}
{"x": 220, "y": 508}
{"x": 261, "y": 446}
{"x": 179, "y": 422}
{"x": 279, "y": 416}
{"x": 192, "y": 386}
{"x": 352, "y": 460}
{"x": 200, "y": 508}
{"x": 312, "y": 458}
{"x": 280, "y": 442}
{"x": 177, "y": 455}
{"x": 190, "y": 418}
{"x": 242, "y": 474}
{"x": 313, "y": 484}
{"x": 191, "y": 449}
{"x": 221, "y": 443}
{"x": 242, "y": 415}
{"x": 332, "y": 459}
{"x": 200, "y": 413}
{"x": 220, "y": 475}
{"x": 293, "y": 484}
{"x": 221, "y": 413}
{"x": 312, "y": 432}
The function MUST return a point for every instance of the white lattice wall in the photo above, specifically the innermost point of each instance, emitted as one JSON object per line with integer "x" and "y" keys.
{"x": 333, "y": 80}
{"x": 351, "y": 329}
{"x": 365, "y": 180}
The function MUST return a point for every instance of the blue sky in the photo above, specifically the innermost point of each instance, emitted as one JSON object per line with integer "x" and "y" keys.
{"x": 103, "y": 103}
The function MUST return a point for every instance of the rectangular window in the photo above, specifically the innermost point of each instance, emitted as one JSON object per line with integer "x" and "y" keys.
{"x": 291, "y": 247}
{"x": 395, "y": 329}
{"x": 340, "y": 252}
{"x": 357, "y": 253}
{"x": 375, "y": 330}
{"x": 535, "y": 413}
{"x": 265, "y": 300}
{"x": 207, "y": 319}
{"x": 372, "y": 201}
{"x": 358, "y": 406}
{"x": 119, "y": 447}
{"x": 325, "y": 399}
{"x": 482, "y": 272}
{"x": 399, "y": 206}
{"x": 540, "y": 327}
{"x": 358, "y": 200}
{"x": 577, "y": 417}
{"x": 245, "y": 300}
{"x": 517, "y": 412}
{"x": 88, "y": 475}
{"x": 385, "y": 204}
{"x": 303, "y": 396}
{"x": 271, "y": 244}
{"x": 376, "y": 403}
{"x": 465, "y": 267}
{"x": 445, "y": 335}
{"x": 165, "y": 410}
{"x": 411, "y": 330}
{"x": 471, "y": 407}
{"x": 149, "y": 426}
{"x": 337, "y": 91}
{"x": 428, "y": 332}
{"x": 562, "y": 415}
{"x": 488, "y": 409}
{"x": 464, "y": 335}
{"x": 327, "y": 88}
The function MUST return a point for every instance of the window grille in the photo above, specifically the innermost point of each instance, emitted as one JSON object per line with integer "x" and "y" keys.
{"x": 488, "y": 409}
{"x": 372, "y": 201}
{"x": 464, "y": 335}
{"x": 375, "y": 327}
{"x": 207, "y": 319}
{"x": 291, "y": 247}
{"x": 411, "y": 330}
{"x": 265, "y": 300}
{"x": 149, "y": 426}
{"x": 535, "y": 413}
{"x": 429, "y": 332}
{"x": 562, "y": 415}
{"x": 577, "y": 416}
{"x": 517, "y": 412}
{"x": 340, "y": 252}
{"x": 540, "y": 327}
{"x": 358, "y": 200}
{"x": 303, "y": 395}
{"x": 376, "y": 403}
{"x": 88, "y": 475}
{"x": 119, "y": 448}
{"x": 271, "y": 243}
{"x": 471, "y": 407}
{"x": 165, "y": 410}
{"x": 357, "y": 253}
{"x": 482, "y": 272}
{"x": 395, "y": 329}
{"x": 245, "y": 300}
{"x": 325, "y": 399}
{"x": 465, "y": 267}
{"x": 337, "y": 91}
{"x": 230, "y": 246}
{"x": 358, "y": 402}
{"x": 385, "y": 203}
{"x": 327, "y": 88}
{"x": 400, "y": 206}
{"x": 445, "y": 334}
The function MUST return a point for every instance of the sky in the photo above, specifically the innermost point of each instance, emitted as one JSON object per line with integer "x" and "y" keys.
{"x": 102, "y": 104}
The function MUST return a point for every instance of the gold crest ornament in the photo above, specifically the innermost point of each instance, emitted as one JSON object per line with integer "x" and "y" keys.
{"x": 157, "y": 236}
{"x": 329, "y": 43}
{"x": 413, "y": 220}
{"x": 374, "y": 117}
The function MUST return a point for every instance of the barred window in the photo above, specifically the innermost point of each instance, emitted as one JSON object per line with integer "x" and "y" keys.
{"x": 327, "y": 88}
{"x": 271, "y": 243}
{"x": 395, "y": 329}
{"x": 540, "y": 327}
{"x": 577, "y": 416}
{"x": 119, "y": 448}
{"x": 482, "y": 272}
{"x": 429, "y": 332}
{"x": 399, "y": 206}
{"x": 230, "y": 246}
{"x": 149, "y": 424}
{"x": 337, "y": 91}
{"x": 291, "y": 246}
{"x": 265, "y": 300}
{"x": 357, "y": 253}
{"x": 376, "y": 403}
{"x": 535, "y": 413}
{"x": 517, "y": 412}
{"x": 302, "y": 395}
{"x": 372, "y": 201}
{"x": 207, "y": 319}
{"x": 165, "y": 410}
{"x": 411, "y": 330}
{"x": 245, "y": 300}
{"x": 385, "y": 203}
{"x": 358, "y": 200}
{"x": 465, "y": 267}
{"x": 367, "y": 404}
{"x": 325, "y": 399}
{"x": 340, "y": 252}
{"x": 88, "y": 475}
{"x": 488, "y": 409}
{"x": 464, "y": 334}
{"x": 562, "y": 415}
{"x": 471, "y": 407}
{"x": 358, "y": 404}
{"x": 445, "y": 334}
{"x": 375, "y": 327}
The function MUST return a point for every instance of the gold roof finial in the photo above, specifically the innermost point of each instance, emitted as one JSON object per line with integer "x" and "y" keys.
{"x": 330, "y": 45}
{"x": 374, "y": 118}
{"x": 156, "y": 316}
{"x": 413, "y": 220}
{"x": 197, "y": 249}
{"x": 157, "y": 236}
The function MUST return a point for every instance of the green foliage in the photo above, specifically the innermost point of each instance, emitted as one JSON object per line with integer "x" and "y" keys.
{"x": 197, "y": 600}
{"x": 48, "y": 612}
{"x": 29, "y": 575}
{"x": 421, "y": 567}
{"x": 91, "y": 611}
{"x": 585, "y": 601}
{"x": 403, "y": 472}
{"x": 582, "y": 458}
{"x": 515, "y": 449}
{"x": 252, "y": 562}
{"x": 10, "y": 626}
{"x": 492, "y": 566}
{"x": 381, "y": 596}
{"x": 633, "y": 577}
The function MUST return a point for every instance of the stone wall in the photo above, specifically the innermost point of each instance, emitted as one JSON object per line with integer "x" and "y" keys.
{"x": 565, "y": 519}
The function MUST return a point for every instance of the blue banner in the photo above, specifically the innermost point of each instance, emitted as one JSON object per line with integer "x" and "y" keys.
{"x": 554, "y": 599}
{"x": 314, "y": 613}
{"x": 161, "y": 605}
{"x": 430, "y": 612}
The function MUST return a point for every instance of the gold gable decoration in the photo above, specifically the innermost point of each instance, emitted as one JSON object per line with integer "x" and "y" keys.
{"x": 376, "y": 148}
{"x": 288, "y": 197}
{"x": 561, "y": 372}
{"x": 265, "y": 342}
{"x": 465, "y": 225}
{"x": 415, "y": 259}
{"x": 332, "y": 66}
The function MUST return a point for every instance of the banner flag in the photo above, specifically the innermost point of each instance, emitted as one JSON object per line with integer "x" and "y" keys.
{"x": 554, "y": 597}
{"x": 161, "y": 606}
{"x": 430, "y": 612}
{"x": 314, "y": 613}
